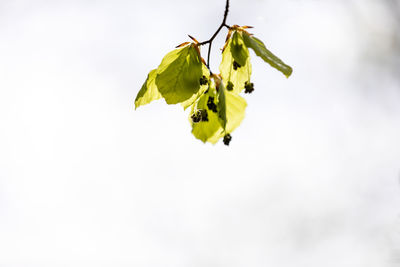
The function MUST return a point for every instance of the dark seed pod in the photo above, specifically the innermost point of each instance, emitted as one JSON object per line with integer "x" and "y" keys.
{"x": 211, "y": 105}
{"x": 229, "y": 86}
{"x": 236, "y": 65}
{"x": 203, "y": 80}
{"x": 249, "y": 87}
{"x": 227, "y": 139}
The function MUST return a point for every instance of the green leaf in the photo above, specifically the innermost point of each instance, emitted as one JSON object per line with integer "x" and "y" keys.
{"x": 231, "y": 109}
{"x": 259, "y": 48}
{"x": 239, "y": 51}
{"x": 239, "y": 76}
{"x": 235, "y": 111}
{"x": 179, "y": 74}
{"x": 203, "y": 88}
{"x": 230, "y": 112}
{"x": 222, "y": 105}
{"x": 149, "y": 91}
{"x": 207, "y": 131}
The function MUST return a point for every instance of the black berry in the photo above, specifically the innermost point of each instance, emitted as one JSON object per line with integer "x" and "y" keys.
{"x": 203, "y": 115}
{"x": 227, "y": 139}
{"x": 200, "y": 115}
{"x": 203, "y": 80}
{"x": 236, "y": 65}
{"x": 229, "y": 86}
{"x": 249, "y": 87}
{"x": 211, "y": 105}
{"x": 195, "y": 117}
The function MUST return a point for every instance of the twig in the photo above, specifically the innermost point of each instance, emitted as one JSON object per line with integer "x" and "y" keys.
{"x": 209, "y": 42}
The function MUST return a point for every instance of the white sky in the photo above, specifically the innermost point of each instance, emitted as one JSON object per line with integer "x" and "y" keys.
{"x": 310, "y": 178}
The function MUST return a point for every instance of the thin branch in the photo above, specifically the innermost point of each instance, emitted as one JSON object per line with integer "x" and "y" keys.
{"x": 209, "y": 42}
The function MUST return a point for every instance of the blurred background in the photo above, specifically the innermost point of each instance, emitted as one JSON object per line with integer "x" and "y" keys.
{"x": 311, "y": 177}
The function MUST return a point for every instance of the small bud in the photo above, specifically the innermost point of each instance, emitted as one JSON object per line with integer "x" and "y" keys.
{"x": 236, "y": 65}
{"x": 211, "y": 105}
{"x": 249, "y": 87}
{"x": 229, "y": 86}
{"x": 227, "y": 139}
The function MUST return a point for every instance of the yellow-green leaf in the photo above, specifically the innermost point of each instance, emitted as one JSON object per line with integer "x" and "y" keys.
{"x": 178, "y": 76}
{"x": 231, "y": 109}
{"x": 238, "y": 76}
{"x": 222, "y": 105}
{"x": 235, "y": 111}
{"x": 207, "y": 131}
{"x": 203, "y": 88}
{"x": 259, "y": 48}
{"x": 149, "y": 91}
{"x": 230, "y": 112}
{"x": 239, "y": 51}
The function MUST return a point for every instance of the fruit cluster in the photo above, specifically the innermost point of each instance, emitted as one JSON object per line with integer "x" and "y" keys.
{"x": 211, "y": 105}
{"x": 248, "y": 87}
{"x": 200, "y": 115}
{"x": 236, "y": 65}
{"x": 227, "y": 139}
{"x": 229, "y": 86}
{"x": 203, "y": 80}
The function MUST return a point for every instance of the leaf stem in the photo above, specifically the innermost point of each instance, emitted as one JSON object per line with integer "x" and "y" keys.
{"x": 209, "y": 42}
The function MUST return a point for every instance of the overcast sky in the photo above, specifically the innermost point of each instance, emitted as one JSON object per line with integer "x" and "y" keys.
{"x": 311, "y": 177}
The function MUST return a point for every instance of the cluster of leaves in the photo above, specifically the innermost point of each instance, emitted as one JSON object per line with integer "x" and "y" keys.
{"x": 216, "y": 106}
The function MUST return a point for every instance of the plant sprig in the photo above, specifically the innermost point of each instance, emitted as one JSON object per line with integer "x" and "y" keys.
{"x": 184, "y": 77}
